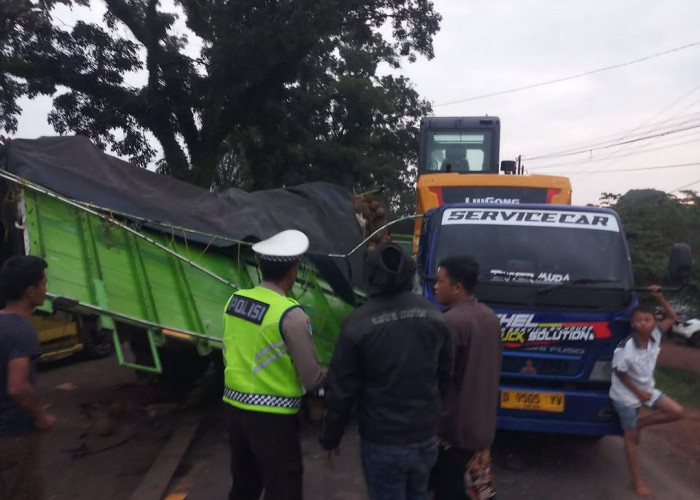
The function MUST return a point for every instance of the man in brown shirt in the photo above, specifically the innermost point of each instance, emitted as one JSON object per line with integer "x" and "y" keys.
{"x": 467, "y": 424}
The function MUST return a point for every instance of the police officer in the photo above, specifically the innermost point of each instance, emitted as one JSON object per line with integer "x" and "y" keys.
{"x": 270, "y": 362}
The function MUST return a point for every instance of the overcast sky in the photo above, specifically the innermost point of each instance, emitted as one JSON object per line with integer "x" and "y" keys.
{"x": 489, "y": 46}
{"x": 492, "y": 46}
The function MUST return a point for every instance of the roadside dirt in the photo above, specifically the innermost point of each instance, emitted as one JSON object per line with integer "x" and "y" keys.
{"x": 111, "y": 426}
{"x": 89, "y": 456}
{"x": 683, "y": 435}
{"x": 679, "y": 355}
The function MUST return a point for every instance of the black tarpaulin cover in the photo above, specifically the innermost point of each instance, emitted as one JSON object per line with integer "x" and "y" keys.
{"x": 74, "y": 167}
{"x": 77, "y": 169}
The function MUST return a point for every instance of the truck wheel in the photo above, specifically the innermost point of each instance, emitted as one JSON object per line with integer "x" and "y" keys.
{"x": 97, "y": 342}
{"x": 694, "y": 339}
{"x": 183, "y": 366}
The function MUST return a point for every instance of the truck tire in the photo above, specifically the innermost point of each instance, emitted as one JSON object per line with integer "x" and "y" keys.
{"x": 694, "y": 339}
{"x": 97, "y": 342}
{"x": 183, "y": 366}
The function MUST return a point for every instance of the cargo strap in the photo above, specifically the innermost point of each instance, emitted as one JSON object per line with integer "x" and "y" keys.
{"x": 262, "y": 399}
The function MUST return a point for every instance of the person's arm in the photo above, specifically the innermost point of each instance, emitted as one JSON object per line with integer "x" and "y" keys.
{"x": 627, "y": 382}
{"x": 344, "y": 379}
{"x": 620, "y": 366}
{"x": 459, "y": 350}
{"x": 446, "y": 360}
{"x": 296, "y": 329}
{"x": 20, "y": 390}
{"x": 670, "y": 313}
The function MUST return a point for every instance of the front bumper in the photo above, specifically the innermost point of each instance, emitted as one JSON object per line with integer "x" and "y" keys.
{"x": 586, "y": 412}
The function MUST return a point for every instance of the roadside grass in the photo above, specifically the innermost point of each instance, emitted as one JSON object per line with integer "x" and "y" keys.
{"x": 681, "y": 384}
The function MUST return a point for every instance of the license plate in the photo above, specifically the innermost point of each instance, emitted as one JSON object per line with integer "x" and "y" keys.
{"x": 525, "y": 400}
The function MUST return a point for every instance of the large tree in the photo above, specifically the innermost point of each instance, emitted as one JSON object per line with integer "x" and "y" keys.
{"x": 653, "y": 222}
{"x": 282, "y": 91}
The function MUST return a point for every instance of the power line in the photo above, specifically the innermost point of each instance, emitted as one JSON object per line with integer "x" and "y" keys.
{"x": 616, "y": 137}
{"x": 666, "y": 143}
{"x": 670, "y": 106}
{"x": 617, "y": 155}
{"x": 603, "y": 161}
{"x": 636, "y": 169}
{"x": 620, "y": 143}
{"x": 579, "y": 75}
{"x": 685, "y": 186}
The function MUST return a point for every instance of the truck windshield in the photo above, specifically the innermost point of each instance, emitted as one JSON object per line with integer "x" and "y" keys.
{"x": 533, "y": 247}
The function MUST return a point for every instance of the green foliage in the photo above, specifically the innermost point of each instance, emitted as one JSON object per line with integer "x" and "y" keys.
{"x": 283, "y": 91}
{"x": 653, "y": 222}
{"x": 681, "y": 384}
{"x": 608, "y": 200}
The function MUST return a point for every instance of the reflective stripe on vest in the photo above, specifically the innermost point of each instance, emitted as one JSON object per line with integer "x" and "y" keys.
{"x": 269, "y": 359}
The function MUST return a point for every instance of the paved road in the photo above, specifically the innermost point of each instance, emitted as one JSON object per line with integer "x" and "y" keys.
{"x": 86, "y": 459}
{"x": 527, "y": 466}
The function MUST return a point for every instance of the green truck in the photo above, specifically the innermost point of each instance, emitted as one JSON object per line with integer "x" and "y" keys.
{"x": 147, "y": 261}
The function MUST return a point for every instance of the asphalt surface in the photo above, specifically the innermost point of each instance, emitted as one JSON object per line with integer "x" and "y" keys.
{"x": 112, "y": 426}
{"x": 527, "y": 467}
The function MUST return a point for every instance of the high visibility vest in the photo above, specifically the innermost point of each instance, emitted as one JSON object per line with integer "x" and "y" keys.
{"x": 259, "y": 374}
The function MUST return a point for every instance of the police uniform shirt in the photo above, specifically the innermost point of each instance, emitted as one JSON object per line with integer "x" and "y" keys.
{"x": 296, "y": 330}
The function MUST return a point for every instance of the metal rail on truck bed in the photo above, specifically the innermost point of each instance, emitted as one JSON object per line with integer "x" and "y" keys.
{"x": 137, "y": 280}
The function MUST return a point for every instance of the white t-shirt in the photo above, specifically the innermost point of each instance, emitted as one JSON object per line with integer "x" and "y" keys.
{"x": 638, "y": 363}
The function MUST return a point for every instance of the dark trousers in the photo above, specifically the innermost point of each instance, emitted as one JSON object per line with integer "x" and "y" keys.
{"x": 265, "y": 455}
{"x": 447, "y": 478}
{"x": 20, "y": 471}
{"x": 398, "y": 472}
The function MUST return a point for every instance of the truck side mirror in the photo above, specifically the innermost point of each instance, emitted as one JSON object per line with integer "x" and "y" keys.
{"x": 680, "y": 264}
{"x": 508, "y": 166}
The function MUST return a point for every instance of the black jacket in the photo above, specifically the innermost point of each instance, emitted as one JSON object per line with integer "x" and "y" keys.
{"x": 393, "y": 357}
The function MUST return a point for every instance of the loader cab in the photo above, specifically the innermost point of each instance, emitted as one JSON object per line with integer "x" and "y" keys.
{"x": 458, "y": 162}
{"x": 465, "y": 145}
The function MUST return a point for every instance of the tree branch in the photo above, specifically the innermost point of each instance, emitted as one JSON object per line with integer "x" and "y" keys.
{"x": 128, "y": 101}
{"x": 167, "y": 101}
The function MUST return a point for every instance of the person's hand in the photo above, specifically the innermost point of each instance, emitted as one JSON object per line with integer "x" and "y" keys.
{"x": 644, "y": 396}
{"x": 485, "y": 457}
{"x": 329, "y": 455}
{"x": 655, "y": 290}
{"x": 45, "y": 422}
{"x": 482, "y": 459}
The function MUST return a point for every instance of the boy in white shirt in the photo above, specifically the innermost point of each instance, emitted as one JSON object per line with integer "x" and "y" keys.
{"x": 632, "y": 386}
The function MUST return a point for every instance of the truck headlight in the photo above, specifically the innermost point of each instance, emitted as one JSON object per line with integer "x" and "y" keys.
{"x": 602, "y": 371}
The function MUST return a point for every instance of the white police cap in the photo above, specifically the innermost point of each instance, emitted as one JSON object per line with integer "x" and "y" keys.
{"x": 286, "y": 246}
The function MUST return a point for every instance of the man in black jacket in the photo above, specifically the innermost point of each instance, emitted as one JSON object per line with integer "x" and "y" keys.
{"x": 393, "y": 357}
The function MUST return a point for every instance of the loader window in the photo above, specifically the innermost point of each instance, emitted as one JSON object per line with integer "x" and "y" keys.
{"x": 456, "y": 151}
